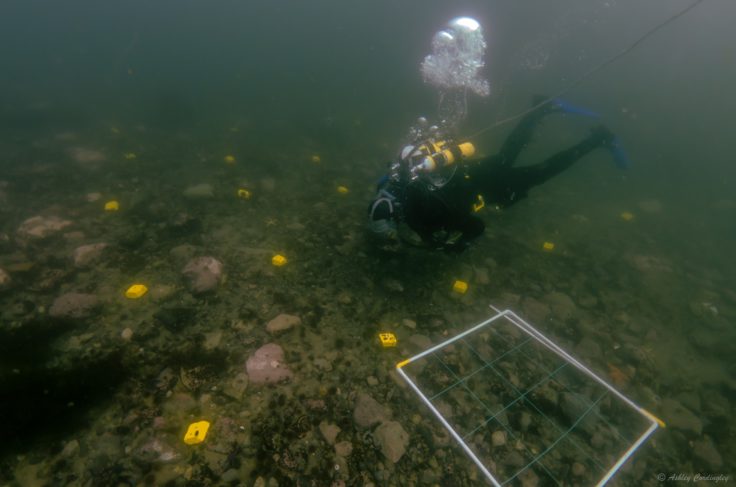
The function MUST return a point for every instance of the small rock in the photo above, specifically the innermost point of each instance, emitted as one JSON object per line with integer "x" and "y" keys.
{"x": 212, "y": 340}
{"x": 498, "y": 438}
{"x": 126, "y": 334}
{"x": 421, "y": 342}
{"x": 236, "y": 386}
{"x": 283, "y": 322}
{"x": 368, "y": 411}
{"x": 92, "y": 197}
{"x": 4, "y": 280}
{"x": 392, "y": 439}
{"x": 203, "y": 190}
{"x": 40, "y": 227}
{"x": 203, "y": 274}
{"x": 409, "y": 323}
{"x": 561, "y": 305}
{"x": 230, "y": 476}
{"x": 528, "y": 478}
{"x": 266, "y": 365}
{"x": 329, "y": 431}
{"x": 578, "y": 469}
{"x": 70, "y": 449}
{"x": 514, "y": 459}
{"x": 678, "y": 416}
{"x": 372, "y": 381}
{"x": 535, "y": 311}
{"x": 343, "y": 449}
{"x": 87, "y": 255}
{"x": 74, "y": 306}
{"x": 704, "y": 450}
{"x": 588, "y": 348}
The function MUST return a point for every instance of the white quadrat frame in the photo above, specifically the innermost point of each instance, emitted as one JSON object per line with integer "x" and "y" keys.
{"x": 535, "y": 334}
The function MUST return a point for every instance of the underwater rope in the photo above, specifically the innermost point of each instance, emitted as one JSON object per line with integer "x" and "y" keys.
{"x": 593, "y": 70}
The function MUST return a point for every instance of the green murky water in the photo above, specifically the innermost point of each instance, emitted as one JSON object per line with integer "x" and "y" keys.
{"x": 142, "y": 104}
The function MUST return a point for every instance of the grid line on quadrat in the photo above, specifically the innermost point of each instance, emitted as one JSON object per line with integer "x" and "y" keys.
{"x": 579, "y": 396}
{"x": 485, "y": 406}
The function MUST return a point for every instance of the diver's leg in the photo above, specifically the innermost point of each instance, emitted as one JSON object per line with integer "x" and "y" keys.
{"x": 522, "y": 133}
{"x": 524, "y": 178}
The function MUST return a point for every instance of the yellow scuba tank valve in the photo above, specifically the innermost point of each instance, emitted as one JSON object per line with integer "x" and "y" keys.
{"x": 447, "y": 156}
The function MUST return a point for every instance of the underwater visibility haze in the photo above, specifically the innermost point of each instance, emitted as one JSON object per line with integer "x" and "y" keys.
{"x": 193, "y": 291}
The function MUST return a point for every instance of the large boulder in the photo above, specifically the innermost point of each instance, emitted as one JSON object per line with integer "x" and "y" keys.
{"x": 266, "y": 365}
{"x": 203, "y": 274}
{"x": 74, "y": 306}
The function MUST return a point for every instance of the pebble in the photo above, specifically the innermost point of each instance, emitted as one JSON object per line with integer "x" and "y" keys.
{"x": 498, "y": 438}
{"x": 372, "y": 381}
{"x": 392, "y": 439}
{"x": 282, "y": 322}
{"x": 236, "y": 386}
{"x": 86, "y": 255}
{"x": 705, "y": 450}
{"x": 329, "y": 431}
{"x": 203, "y": 274}
{"x": 203, "y": 190}
{"x": 679, "y": 417}
{"x": 4, "y": 280}
{"x": 126, "y": 334}
{"x": 74, "y": 305}
{"x": 343, "y": 449}
{"x": 578, "y": 469}
{"x": 368, "y": 411}
{"x": 266, "y": 365}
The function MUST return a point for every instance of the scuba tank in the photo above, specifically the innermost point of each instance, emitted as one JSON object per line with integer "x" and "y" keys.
{"x": 443, "y": 155}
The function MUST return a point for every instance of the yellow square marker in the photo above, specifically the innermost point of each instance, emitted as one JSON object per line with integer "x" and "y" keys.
{"x": 387, "y": 339}
{"x": 129, "y": 156}
{"x": 316, "y": 159}
{"x": 460, "y": 287}
{"x": 244, "y": 193}
{"x": 136, "y": 291}
{"x": 627, "y": 216}
{"x": 196, "y": 432}
{"x": 548, "y": 246}
{"x": 278, "y": 260}
{"x": 342, "y": 190}
{"x": 112, "y": 205}
{"x": 229, "y": 159}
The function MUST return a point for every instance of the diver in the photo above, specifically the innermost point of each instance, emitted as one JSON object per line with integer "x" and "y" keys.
{"x": 435, "y": 186}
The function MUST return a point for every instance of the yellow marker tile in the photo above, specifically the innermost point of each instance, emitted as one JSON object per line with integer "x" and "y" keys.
{"x": 278, "y": 260}
{"x": 342, "y": 190}
{"x": 387, "y": 339}
{"x": 548, "y": 246}
{"x": 136, "y": 291}
{"x": 627, "y": 216}
{"x": 229, "y": 159}
{"x": 316, "y": 159}
{"x": 112, "y": 205}
{"x": 244, "y": 194}
{"x": 129, "y": 156}
{"x": 196, "y": 432}
{"x": 460, "y": 287}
